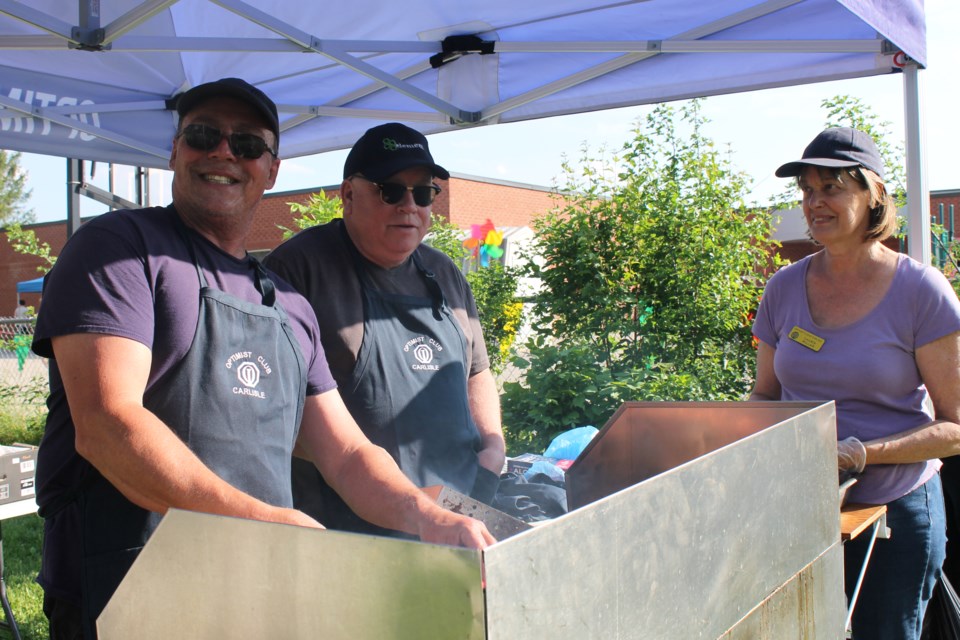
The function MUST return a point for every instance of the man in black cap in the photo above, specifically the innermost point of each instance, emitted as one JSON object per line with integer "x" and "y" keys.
{"x": 182, "y": 373}
{"x": 399, "y": 326}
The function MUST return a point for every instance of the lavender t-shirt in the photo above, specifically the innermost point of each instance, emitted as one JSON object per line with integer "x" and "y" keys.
{"x": 868, "y": 366}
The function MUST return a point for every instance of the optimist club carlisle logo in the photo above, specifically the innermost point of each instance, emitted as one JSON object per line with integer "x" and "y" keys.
{"x": 249, "y": 369}
{"x": 424, "y": 350}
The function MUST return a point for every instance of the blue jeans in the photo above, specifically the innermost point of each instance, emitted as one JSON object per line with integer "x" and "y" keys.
{"x": 902, "y": 570}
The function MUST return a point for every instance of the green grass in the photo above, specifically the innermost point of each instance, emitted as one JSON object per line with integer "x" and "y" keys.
{"x": 21, "y": 420}
{"x": 22, "y": 540}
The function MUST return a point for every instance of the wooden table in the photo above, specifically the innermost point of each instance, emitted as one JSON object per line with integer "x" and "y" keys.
{"x": 856, "y": 519}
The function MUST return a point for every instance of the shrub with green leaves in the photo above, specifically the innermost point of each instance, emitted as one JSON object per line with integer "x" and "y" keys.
{"x": 850, "y": 111}
{"x": 23, "y": 411}
{"x": 446, "y": 237}
{"x": 319, "y": 209}
{"x": 25, "y": 242}
{"x": 651, "y": 270}
{"x": 501, "y": 312}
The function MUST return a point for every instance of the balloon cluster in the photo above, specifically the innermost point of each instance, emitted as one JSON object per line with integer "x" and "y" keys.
{"x": 485, "y": 242}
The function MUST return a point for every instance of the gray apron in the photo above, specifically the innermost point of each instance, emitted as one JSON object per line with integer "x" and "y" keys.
{"x": 236, "y": 399}
{"x": 408, "y": 393}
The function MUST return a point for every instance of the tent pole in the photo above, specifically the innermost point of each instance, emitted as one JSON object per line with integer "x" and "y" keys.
{"x": 918, "y": 194}
{"x": 110, "y": 181}
{"x": 74, "y": 181}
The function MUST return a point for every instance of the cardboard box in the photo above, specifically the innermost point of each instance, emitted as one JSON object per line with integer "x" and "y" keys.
{"x": 18, "y": 468}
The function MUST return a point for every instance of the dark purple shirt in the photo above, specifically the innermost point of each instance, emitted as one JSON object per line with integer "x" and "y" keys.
{"x": 131, "y": 274}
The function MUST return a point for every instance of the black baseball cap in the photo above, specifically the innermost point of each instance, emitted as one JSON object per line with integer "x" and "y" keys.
{"x": 232, "y": 88}
{"x": 837, "y": 147}
{"x": 387, "y": 149}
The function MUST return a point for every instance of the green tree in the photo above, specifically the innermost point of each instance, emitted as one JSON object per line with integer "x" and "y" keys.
{"x": 318, "y": 210}
{"x": 651, "y": 269}
{"x": 501, "y": 311}
{"x": 13, "y": 190}
{"x": 850, "y": 111}
{"x": 950, "y": 265}
{"x": 446, "y": 237}
{"x": 25, "y": 241}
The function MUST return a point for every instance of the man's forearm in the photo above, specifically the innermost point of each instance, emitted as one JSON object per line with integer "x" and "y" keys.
{"x": 485, "y": 410}
{"x": 155, "y": 470}
{"x": 104, "y": 378}
{"x": 372, "y": 484}
{"x": 369, "y": 480}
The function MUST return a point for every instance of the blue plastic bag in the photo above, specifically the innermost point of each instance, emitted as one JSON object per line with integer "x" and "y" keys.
{"x": 548, "y": 469}
{"x": 569, "y": 444}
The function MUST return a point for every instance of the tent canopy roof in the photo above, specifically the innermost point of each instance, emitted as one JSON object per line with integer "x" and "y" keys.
{"x": 30, "y": 286}
{"x": 93, "y": 79}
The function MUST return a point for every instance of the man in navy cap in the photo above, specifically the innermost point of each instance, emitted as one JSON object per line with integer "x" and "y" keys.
{"x": 182, "y": 373}
{"x": 399, "y": 326}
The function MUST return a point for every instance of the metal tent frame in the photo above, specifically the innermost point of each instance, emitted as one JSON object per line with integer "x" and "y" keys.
{"x": 96, "y": 79}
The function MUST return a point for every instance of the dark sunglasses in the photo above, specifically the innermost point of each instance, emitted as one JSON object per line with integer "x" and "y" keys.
{"x": 243, "y": 145}
{"x": 394, "y": 192}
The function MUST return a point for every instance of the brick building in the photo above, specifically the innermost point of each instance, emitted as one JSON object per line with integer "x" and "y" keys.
{"x": 941, "y": 203}
{"x": 464, "y": 200}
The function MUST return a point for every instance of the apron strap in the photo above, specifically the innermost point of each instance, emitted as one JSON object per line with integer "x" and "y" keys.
{"x": 262, "y": 281}
{"x": 264, "y": 284}
{"x": 439, "y": 300}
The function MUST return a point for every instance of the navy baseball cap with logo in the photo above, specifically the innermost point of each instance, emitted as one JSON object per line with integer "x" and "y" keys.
{"x": 231, "y": 88}
{"x": 837, "y": 147}
{"x": 388, "y": 149}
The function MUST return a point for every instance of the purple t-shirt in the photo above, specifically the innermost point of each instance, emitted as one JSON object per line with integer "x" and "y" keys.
{"x": 868, "y": 366}
{"x": 130, "y": 274}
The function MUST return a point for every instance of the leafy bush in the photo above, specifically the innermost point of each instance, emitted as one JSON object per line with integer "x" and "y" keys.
{"x": 445, "y": 237}
{"x": 23, "y": 411}
{"x": 25, "y": 242}
{"x": 566, "y": 385}
{"x": 318, "y": 210}
{"x": 22, "y": 415}
{"x": 651, "y": 269}
{"x": 501, "y": 312}
{"x": 571, "y": 384}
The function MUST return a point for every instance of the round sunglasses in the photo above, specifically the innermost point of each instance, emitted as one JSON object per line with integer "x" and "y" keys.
{"x": 203, "y": 137}
{"x": 394, "y": 192}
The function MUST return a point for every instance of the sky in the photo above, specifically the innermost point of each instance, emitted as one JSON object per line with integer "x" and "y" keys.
{"x": 761, "y": 129}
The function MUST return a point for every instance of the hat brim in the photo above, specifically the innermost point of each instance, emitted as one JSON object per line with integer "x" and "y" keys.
{"x": 394, "y": 168}
{"x": 795, "y": 168}
{"x": 188, "y": 101}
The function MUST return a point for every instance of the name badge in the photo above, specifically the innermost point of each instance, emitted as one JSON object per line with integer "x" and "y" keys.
{"x": 806, "y": 339}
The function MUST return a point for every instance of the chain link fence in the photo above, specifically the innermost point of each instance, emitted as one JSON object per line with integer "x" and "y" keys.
{"x": 18, "y": 364}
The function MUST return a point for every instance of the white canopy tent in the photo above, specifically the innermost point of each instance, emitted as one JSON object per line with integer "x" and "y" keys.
{"x": 94, "y": 79}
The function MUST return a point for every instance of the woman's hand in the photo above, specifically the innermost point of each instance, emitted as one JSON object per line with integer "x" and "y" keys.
{"x": 851, "y": 455}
